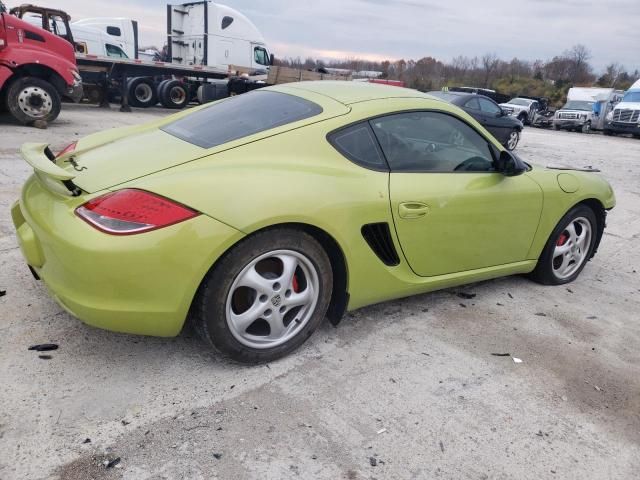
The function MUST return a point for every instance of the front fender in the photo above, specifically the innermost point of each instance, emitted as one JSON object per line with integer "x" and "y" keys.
{"x": 39, "y": 58}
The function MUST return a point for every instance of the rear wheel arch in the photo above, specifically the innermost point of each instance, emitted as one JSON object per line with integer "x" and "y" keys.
{"x": 339, "y": 297}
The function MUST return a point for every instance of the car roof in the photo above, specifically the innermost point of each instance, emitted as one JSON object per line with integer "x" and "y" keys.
{"x": 350, "y": 92}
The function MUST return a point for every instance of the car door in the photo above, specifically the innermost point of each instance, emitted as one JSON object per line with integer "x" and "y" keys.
{"x": 452, "y": 211}
{"x": 494, "y": 120}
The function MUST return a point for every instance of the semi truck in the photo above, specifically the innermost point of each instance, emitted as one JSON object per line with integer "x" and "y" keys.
{"x": 625, "y": 117}
{"x": 206, "y": 42}
{"x": 37, "y": 70}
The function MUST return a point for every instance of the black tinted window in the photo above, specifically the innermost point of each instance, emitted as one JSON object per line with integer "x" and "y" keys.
{"x": 358, "y": 144}
{"x": 473, "y": 104}
{"x": 241, "y": 116}
{"x": 115, "y": 31}
{"x": 431, "y": 142}
{"x": 487, "y": 106}
{"x": 226, "y": 21}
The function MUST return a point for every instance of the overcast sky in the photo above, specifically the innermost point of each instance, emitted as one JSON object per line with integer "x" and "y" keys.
{"x": 394, "y": 29}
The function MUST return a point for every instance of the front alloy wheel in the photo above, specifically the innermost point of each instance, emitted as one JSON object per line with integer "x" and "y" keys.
{"x": 265, "y": 296}
{"x": 572, "y": 247}
{"x": 568, "y": 248}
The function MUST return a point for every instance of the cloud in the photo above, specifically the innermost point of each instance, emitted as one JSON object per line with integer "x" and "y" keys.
{"x": 527, "y": 29}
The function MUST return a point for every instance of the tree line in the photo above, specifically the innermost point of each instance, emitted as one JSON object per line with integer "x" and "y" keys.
{"x": 551, "y": 78}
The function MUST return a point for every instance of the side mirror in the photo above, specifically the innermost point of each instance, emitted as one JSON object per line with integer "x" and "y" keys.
{"x": 272, "y": 59}
{"x": 501, "y": 113}
{"x": 509, "y": 165}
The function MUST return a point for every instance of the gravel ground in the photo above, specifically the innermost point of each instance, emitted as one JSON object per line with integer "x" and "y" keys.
{"x": 405, "y": 389}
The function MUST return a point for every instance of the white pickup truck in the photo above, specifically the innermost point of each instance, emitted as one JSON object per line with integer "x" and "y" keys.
{"x": 625, "y": 117}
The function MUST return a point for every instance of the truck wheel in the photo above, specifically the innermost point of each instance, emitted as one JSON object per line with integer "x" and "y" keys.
{"x": 30, "y": 99}
{"x": 586, "y": 128}
{"x": 608, "y": 133}
{"x": 523, "y": 118}
{"x": 174, "y": 95}
{"x": 142, "y": 92}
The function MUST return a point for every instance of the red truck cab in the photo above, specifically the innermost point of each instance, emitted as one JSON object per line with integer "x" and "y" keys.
{"x": 37, "y": 70}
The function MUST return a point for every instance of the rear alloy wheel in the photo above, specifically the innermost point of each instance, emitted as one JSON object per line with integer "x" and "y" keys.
{"x": 568, "y": 249}
{"x": 30, "y": 99}
{"x": 512, "y": 141}
{"x": 265, "y": 297}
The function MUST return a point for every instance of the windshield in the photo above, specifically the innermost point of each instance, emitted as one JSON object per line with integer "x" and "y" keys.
{"x": 520, "y": 101}
{"x": 578, "y": 105}
{"x": 632, "y": 96}
{"x": 240, "y": 116}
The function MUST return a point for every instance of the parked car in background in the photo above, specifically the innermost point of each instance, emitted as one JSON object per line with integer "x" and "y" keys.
{"x": 625, "y": 117}
{"x": 524, "y": 109}
{"x": 586, "y": 109}
{"x": 505, "y": 128}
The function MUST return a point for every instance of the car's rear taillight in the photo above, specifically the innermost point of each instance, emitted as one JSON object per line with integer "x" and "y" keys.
{"x": 69, "y": 148}
{"x": 131, "y": 211}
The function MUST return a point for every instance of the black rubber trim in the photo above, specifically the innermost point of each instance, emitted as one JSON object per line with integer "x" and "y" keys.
{"x": 378, "y": 237}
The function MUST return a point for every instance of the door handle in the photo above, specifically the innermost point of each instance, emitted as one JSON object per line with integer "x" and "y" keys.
{"x": 410, "y": 210}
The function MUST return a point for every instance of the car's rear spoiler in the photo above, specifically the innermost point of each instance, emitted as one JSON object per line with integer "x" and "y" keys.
{"x": 43, "y": 161}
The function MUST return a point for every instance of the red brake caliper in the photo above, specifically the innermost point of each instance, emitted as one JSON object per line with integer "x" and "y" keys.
{"x": 294, "y": 284}
{"x": 562, "y": 239}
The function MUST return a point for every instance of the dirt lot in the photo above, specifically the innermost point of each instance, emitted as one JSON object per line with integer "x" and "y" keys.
{"x": 407, "y": 389}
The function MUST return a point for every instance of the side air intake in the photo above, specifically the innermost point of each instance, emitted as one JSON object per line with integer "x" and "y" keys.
{"x": 379, "y": 239}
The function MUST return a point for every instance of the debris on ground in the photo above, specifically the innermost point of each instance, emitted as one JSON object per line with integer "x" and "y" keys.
{"x": 598, "y": 389}
{"x": 463, "y": 305}
{"x": 3, "y": 293}
{"x": 499, "y": 304}
{"x": 45, "y": 357}
{"x": 501, "y": 354}
{"x": 111, "y": 463}
{"x": 516, "y": 360}
{"x": 217, "y": 456}
{"x": 41, "y": 124}
{"x": 540, "y": 314}
{"x": 465, "y": 295}
{"x": 373, "y": 461}
{"x": 510, "y": 296}
{"x": 86, "y": 440}
{"x": 441, "y": 446}
{"x": 44, "y": 347}
{"x": 382, "y": 430}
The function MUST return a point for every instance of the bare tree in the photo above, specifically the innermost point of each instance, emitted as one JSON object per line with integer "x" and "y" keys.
{"x": 489, "y": 64}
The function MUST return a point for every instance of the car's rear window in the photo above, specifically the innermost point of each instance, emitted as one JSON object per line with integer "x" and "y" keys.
{"x": 241, "y": 116}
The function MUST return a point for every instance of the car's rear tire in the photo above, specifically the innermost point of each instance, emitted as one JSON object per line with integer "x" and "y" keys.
{"x": 174, "y": 94}
{"x": 265, "y": 297}
{"x": 569, "y": 247}
{"x": 31, "y": 98}
{"x": 512, "y": 141}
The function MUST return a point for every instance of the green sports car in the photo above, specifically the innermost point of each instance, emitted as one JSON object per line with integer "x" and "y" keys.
{"x": 257, "y": 216}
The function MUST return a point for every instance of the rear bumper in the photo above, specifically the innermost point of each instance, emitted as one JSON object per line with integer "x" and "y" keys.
{"x": 142, "y": 284}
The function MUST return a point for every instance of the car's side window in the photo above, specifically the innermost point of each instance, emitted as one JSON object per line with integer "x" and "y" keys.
{"x": 431, "y": 142}
{"x": 489, "y": 107}
{"x": 358, "y": 144}
{"x": 473, "y": 104}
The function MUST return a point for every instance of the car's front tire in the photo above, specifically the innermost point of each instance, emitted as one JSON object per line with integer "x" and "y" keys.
{"x": 569, "y": 247}
{"x": 265, "y": 297}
